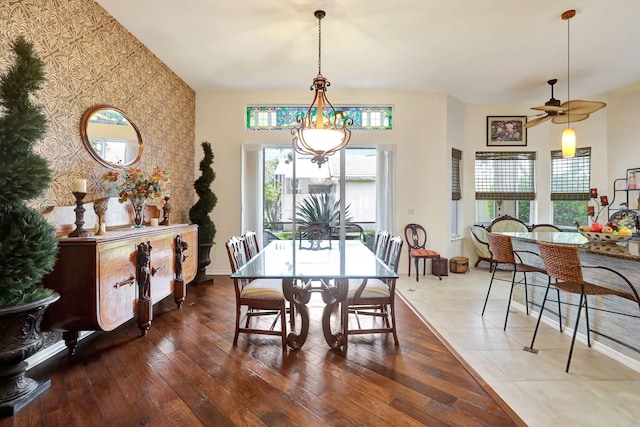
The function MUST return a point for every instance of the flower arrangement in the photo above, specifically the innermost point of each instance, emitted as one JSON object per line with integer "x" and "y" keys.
{"x": 138, "y": 185}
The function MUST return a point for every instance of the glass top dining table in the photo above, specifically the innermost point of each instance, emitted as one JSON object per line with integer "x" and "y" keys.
{"x": 325, "y": 266}
{"x": 336, "y": 259}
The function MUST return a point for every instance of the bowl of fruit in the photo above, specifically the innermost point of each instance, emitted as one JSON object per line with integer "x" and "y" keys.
{"x": 610, "y": 232}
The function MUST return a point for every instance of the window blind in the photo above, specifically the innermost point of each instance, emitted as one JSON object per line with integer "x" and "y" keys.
{"x": 571, "y": 176}
{"x": 456, "y": 157}
{"x": 506, "y": 175}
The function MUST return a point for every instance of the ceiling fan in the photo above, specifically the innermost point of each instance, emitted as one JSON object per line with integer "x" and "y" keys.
{"x": 570, "y": 111}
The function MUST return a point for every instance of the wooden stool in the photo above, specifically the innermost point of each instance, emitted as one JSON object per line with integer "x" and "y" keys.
{"x": 459, "y": 264}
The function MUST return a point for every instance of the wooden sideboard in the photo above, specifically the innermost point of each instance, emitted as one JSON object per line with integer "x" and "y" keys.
{"x": 104, "y": 281}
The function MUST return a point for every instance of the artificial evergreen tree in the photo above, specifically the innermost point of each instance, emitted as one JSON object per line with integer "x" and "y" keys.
{"x": 28, "y": 243}
{"x": 199, "y": 213}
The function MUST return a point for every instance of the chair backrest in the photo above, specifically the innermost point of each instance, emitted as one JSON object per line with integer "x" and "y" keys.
{"x": 395, "y": 248}
{"x": 355, "y": 229}
{"x": 236, "y": 253}
{"x": 545, "y": 227}
{"x": 251, "y": 244}
{"x": 416, "y": 236}
{"x": 381, "y": 244}
{"x": 237, "y": 258}
{"x": 562, "y": 262}
{"x": 479, "y": 233}
{"x": 501, "y": 248}
{"x": 507, "y": 223}
{"x": 479, "y": 240}
{"x": 314, "y": 234}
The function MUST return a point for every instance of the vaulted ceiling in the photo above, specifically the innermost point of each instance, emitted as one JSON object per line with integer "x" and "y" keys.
{"x": 479, "y": 51}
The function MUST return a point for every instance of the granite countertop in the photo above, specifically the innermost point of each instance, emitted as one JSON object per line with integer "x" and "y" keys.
{"x": 629, "y": 249}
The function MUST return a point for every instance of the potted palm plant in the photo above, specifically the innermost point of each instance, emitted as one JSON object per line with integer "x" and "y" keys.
{"x": 28, "y": 246}
{"x": 200, "y": 213}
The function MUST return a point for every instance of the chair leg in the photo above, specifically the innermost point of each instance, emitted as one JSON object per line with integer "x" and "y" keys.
{"x": 424, "y": 267}
{"x": 535, "y": 332}
{"x": 586, "y": 315}
{"x": 559, "y": 307}
{"x": 409, "y": 274}
{"x": 417, "y": 267}
{"x": 283, "y": 325}
{"x": 488, "y": 292}
{"x": 513, "y": 284}
{"x": 393, "y": 322}
{"x": 526, "y": 293}
{"x": 575, "y": 331}
{"x": 235, "y": 336}
{"x": 344, "y": 319}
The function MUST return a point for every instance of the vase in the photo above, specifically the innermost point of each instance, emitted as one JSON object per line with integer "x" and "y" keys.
{"x": 138, "y": 212}
{"x": 204, "y": 259}
{"x": 100, "y": 208}
{"x": 20, "y": 338}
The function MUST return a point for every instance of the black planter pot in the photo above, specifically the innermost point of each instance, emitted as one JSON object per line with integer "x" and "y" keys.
{"x": 204, "y": 259}
{"x": 20, "y": 337}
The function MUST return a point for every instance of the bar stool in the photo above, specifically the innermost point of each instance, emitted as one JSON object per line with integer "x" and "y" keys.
{"x": 563, "y": 264}
{"x": 506, "y": 259}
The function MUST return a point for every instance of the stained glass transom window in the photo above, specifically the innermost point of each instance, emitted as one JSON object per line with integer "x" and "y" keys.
{"x": 284, "y": 118}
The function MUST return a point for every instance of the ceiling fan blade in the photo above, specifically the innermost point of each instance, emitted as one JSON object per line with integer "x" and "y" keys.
{"x": 583, "y": 107}
{"x": 550, "y": 108}
{"x": 536, "y": 122}
{"x": 565, "y": 118}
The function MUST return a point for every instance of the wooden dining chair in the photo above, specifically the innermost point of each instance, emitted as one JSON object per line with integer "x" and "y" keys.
{"x": 260, "y": 297}
{"x": 416, "y": 237}
{"x": 314, "y": 236}
{"x": 374, "y": 298}
{"x": 506, "y": 259}
{"x": 251, "y": 244}
{"x": 563, "y": 264}
{"x": 380, "y": 244}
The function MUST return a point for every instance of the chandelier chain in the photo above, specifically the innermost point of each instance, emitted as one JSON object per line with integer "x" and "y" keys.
{"x": 319, "y": 46}
{"x": 568, "y": 68}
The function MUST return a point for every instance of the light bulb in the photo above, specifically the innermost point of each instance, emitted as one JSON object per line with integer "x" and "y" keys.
{"x": 568, "y": 142}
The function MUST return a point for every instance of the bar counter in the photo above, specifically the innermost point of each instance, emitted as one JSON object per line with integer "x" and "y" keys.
{"x": 629, "y": 250}
{"x": 609, "y": 316}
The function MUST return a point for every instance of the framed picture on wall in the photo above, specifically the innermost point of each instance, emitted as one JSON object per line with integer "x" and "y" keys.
{"x": 633, "y": 175}
{"x": 506, "y": 131}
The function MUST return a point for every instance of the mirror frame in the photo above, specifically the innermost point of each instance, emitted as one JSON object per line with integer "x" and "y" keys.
{"x": 85, "y": 137}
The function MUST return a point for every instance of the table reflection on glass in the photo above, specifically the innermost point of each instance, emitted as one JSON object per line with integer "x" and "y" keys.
{"x": 325, "y": 269}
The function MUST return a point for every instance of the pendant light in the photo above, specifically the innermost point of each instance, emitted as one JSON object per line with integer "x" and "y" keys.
{"x": 569, "y": 134}
{"x": 320, "y": 137}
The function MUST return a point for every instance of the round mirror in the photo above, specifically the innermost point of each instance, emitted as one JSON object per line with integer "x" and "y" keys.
{"x": 111, "y": 137}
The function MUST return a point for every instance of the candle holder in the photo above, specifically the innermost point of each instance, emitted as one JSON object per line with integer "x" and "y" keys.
{"x": 79, "y": 210}
{"x": 604, "y": 202}
{"x": 166, "y": 211}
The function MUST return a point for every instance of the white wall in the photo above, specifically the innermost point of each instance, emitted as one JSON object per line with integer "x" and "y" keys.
{"x": 623, "y": 133}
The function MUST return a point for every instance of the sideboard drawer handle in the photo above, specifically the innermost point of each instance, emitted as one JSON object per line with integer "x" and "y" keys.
{"x": 128, "y": 281}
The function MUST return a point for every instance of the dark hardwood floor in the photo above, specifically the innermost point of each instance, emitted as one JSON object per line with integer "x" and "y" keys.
{"x": 186, "y": 372}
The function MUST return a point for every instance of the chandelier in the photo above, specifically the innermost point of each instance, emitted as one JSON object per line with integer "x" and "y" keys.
{"x": 320, "y": 136}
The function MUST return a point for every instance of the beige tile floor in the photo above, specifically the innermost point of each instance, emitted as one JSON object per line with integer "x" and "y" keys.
{"x": 597, "y": 391}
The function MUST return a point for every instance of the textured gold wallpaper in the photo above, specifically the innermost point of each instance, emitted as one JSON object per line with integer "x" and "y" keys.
{"x": 91, "y": 59}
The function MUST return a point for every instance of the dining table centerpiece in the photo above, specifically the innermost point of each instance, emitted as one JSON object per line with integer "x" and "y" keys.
{"x": 139, "y": 188}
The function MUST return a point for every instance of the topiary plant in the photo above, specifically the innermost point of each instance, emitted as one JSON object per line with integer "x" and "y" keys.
{"x": 28, "y": 246}
{"x": 199, "y": 213}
